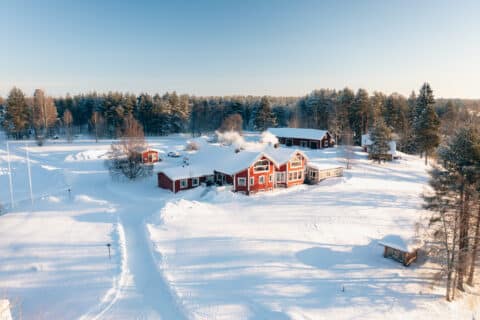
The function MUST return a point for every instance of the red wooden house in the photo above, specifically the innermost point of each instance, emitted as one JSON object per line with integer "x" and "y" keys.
{"x": 150, "y": 156}
{"x": 248, "y": 172}
{"x": 306, "y": 138}
{"x": 291, "y": 165}
{"x": 183, "y": 178}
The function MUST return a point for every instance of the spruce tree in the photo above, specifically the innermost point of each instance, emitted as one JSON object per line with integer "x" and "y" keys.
{"x": 426, "y": 122}
{"x": 264, "y": 117}
{"x": 16, "y": 113}
{"x": 359, "y": 115}
{"x": 380, "y": 136}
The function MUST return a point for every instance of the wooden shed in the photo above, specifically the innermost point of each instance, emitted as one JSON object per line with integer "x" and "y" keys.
{"x": 306, "y": 138}
{"x": 399, "y": 252}
{"x": 150, "y": 156}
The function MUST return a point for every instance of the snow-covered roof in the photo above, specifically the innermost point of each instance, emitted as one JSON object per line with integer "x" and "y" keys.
{"x": 324, "y": 165}
{"x": 298, "y": 133}
{"x": 185, "y": 172}
{"x": 239, "y": 161}
{"x": 399, "y": 243}
{"x": 282, "y": 155}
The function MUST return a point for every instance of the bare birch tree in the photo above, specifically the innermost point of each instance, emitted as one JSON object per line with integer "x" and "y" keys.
{"x": 125, "y": 156}
{"x": 67, "y": 123}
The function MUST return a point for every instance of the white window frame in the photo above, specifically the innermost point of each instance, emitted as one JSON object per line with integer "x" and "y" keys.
{"x": 261, "y": 180}
{"x": 195, "y": 182}
{"x": 252, "y": 181}
{"x": 183, "y": 183}
{"x": 242, "y": 181}
{"x": 261, "y": 166}
{"x": 296, "y": 162}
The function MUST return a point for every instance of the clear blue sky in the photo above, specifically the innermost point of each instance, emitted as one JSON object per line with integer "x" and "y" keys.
{"x": 240, "y": 47}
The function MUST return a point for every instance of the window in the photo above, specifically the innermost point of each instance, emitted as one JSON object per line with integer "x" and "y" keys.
{"x": 270, "y": 178}
{"x": 280, "y": 176}
{"x": 195, "y": 182}
{"x": 290, "y": 176}
{"x": 252, "y": 181}
{"x": 183, "y": 183}
{"x": 261, "y": 179}
{"x": 261, "y": 166}
{"x": 242, "y": 182}
{"x": 299, "y": 175}
{"x": 296, "y": 162}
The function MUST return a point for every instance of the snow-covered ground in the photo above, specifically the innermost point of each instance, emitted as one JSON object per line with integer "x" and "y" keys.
{"x": 309, "y": 252}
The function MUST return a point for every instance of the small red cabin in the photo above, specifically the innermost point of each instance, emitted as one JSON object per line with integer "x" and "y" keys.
{"x": 248, "y": 172}
{"x": 150, "y": 156}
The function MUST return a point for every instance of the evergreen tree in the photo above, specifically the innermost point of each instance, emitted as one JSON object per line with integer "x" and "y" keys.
{"x": 444, "y": 224}
{"x": 264, "y": 117}
{"x": 380, "y": 135}
{"x": 16, "y": 113}
{"x": 426, "y": 123}
{"x": 344, "y": 104}
{"x": 461, "y": 158}
{"x": 359, "y": 115}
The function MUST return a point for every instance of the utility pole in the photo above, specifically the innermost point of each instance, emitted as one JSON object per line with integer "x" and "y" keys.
{"x": 29, "y": 172}
{"x": 12, "y": 205}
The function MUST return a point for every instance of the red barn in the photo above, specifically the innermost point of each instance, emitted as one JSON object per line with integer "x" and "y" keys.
{"x": 182, "y": 178}
{"x": 306, "y": 138}
{"x": 248, "y": 172}
{"x": 150, "y": 156}
{"x": 291, "y": 166}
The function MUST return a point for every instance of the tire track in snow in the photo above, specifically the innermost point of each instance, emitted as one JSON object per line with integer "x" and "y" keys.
{"x": 112, "y": 296}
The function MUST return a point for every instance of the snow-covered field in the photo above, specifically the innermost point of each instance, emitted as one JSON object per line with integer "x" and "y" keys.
{"x": 309, "y": 252}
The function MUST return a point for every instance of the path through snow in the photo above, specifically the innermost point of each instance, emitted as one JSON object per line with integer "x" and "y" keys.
{"x": 143, "y": 292}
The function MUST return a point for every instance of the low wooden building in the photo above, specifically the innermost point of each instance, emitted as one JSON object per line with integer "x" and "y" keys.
{"x": 399, "y": 252}
{"x": 248, "y": 172}
{"x": 317, "y": 171}
{"x": 183, "y": 178}
{"x": 150, "y": 156}
{"x": 305, "y": 138}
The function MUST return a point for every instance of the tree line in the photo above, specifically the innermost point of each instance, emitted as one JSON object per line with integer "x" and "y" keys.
{"x": 341, "y": 112}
